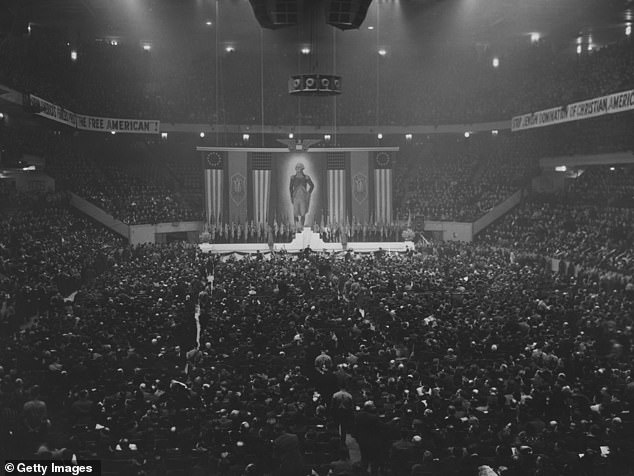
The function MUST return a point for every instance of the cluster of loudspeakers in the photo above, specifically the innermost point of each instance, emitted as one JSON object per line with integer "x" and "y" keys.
{"x": 342, "y": 14}
{"x": 314, "y": 84}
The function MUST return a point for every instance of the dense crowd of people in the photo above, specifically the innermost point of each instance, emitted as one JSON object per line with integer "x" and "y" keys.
{"x": 460, "y": 179}
{"x": 117, "y": 177}
{"x": 590, "y": 223}
{"x": 453, "y": 178}
{"x": 180, "y": 161}
{"x": 453, "y": 359}
{"x": 46, "y": 253}
{"x": 458, "y": 85}
{"x": 450, "y": 359}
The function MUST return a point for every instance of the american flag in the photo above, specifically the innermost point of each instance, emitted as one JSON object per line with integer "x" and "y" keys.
{"x": 214, "y": 171}
{"x": 261, "y": 166}
{"x": 336, "y": 187}
{"x": 383, "y": 187}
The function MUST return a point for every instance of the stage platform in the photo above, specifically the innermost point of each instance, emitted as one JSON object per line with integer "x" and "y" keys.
{"x": 303, "y": 240}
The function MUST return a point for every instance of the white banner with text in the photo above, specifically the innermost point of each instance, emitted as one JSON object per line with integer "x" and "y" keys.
{"x": 57, "y": 113}
{"x": 610, "y": 104}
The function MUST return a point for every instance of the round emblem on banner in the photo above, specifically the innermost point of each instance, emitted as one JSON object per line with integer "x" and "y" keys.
{"x": 383, "y": 159}
{"x": 214, "y": 159}
{"x": 310, "y": 82}
{"x": 325, "y": 82}
{"x": 337, "y": 83}
{"x": 296, "y": 83}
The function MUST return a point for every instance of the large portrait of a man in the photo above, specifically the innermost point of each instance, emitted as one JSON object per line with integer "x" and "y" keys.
{"x": 300, "y": 188}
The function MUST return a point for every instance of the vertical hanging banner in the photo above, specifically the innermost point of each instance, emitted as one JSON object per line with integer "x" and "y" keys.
{"x": 360, "y": 186}
{"x": 214, "y": 163}
{"x": 237, "y": 183}
{"x": 336, "y": 172}
{"x": 298, "y": 187}
{"x": 383, "y": 162}
{"x": 261, "y": 185}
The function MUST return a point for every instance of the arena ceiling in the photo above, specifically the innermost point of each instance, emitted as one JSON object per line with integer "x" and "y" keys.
{"x": 460, "y": 22}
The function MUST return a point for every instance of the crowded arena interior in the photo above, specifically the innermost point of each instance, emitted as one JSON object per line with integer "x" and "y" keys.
{"x": 443, "y": 287}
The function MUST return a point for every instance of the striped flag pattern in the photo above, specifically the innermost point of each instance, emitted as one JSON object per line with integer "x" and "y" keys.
{"x": 213, "y": 194}
{"x": 214, "y": 175}
{"x": 383, "y": 188}
{"x": 336, "y": 187}
{"x": 261, "y": 186}
{"x": 336, "y": 196}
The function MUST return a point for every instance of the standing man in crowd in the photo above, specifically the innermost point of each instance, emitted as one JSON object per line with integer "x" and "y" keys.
{"x": 342, "y": 410}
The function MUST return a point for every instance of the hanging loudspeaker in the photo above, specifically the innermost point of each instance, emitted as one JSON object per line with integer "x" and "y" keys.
{"x": 275, "y": 14}
{"x": 314, "y": 85}
{"x": 346, "y": 14}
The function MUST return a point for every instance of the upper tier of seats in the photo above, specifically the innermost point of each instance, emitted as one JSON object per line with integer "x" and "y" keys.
{"x": 457, "y": 86}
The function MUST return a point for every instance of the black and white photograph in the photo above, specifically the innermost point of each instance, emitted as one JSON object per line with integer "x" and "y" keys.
{"x": 317, "y": 237}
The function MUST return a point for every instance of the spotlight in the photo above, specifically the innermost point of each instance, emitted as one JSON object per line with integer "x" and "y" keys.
{"x": 370, "y": 27}
{"x": 245, "y": 137}
{"x": 561, "y": 168}
{"x": 467, "y": 134}
{"x": 202, "y": 135}
{"x": 579, "y": 49}
{"x": 208, "y": 23}
{"x": 382, "y": 52}
{"x": 379, "y": 136}
{"x": 113, "y": 132}
{"x": 290, "y": 135}
{"x": 612, "y": 169}
{"x": 494, "y": 132}
{"x": 408, "y": 137}
{"x": 305, "y": 50}
{"x": 229, "y": 49}
{"x": 496, "y": 62}
{"x": 535, "y": 37}
{"x": 147, "y": 47}
{"x": 628, "y": 30}
{"x": 327, "y": 137}
{"x": 73, "y": 55}
{"x": 1, "y": 115}
{"x": 164, "y": 135}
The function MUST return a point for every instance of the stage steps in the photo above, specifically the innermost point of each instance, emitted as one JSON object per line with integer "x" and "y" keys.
{"x": 307, "y": 237}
